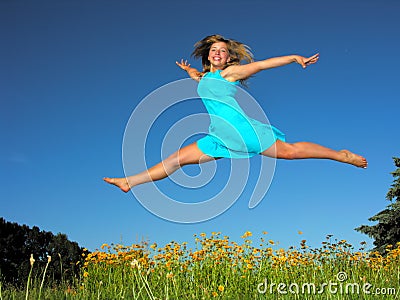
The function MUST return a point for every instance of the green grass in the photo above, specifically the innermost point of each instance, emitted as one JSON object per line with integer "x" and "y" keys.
{"x": 221, "y": 269}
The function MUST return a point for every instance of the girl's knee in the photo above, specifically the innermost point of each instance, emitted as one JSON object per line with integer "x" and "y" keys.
{"x": 287, "y": 152}
{"x": 188, "y": 155}
{"x": 172, "y": 161}
{"x": 181, "y": 158}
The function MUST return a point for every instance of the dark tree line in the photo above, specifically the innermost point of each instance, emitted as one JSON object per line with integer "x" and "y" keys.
{"x": 18, "y": 242}
{"x": 387, "y": 231}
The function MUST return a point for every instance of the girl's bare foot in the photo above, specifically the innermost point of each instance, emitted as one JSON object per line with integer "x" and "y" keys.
{"x": 119, "y": 182}
{"x": 354, "y": 159}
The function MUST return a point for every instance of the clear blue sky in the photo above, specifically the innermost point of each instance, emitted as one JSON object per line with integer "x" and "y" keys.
{"x": 72, "y": 72}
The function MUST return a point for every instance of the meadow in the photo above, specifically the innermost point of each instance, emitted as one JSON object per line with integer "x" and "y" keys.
{"x": 218, "y": 268}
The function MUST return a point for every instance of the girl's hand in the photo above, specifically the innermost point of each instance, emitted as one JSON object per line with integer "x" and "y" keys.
{"x": 304, "y": 61}
{"x": 184, "y": 65}
{"x": 193, "y": 72}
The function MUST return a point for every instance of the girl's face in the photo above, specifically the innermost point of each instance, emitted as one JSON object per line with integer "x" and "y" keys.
{"x": 218, "y": 54}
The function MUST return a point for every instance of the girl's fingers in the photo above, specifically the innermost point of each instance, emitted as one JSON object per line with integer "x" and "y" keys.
{"x": 315, "y": 55}
{"x": 313, "y": 59}
{"x": 183, "y": 63}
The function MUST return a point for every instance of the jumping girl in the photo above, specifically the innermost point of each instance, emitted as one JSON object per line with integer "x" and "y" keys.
{"x": 232, "y": 134}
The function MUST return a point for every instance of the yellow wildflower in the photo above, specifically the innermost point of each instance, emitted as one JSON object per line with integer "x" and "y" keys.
{"x": 247, "y": 234}
{"x": 135, "y": 264}
{"x": 221, "y": 288}
{"x": 32, "y": 260}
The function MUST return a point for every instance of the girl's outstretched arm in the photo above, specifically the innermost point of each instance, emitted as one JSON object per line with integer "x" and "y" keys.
{"x": 193, "y": 72}
{"x": 238, "y": 72}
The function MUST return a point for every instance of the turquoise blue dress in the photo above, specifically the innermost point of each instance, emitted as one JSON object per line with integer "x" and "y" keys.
{"x": 232, "y": 134}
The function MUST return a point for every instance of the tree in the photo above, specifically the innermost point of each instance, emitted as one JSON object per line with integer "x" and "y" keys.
{"x": 387, "y": 231}
{"x": 18, "y": 242}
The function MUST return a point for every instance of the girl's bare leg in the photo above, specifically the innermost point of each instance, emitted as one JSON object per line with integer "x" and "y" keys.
{"x": 190, "y": 154}
{"x": 310, "y": 150}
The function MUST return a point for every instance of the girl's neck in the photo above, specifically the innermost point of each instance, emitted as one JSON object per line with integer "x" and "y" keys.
{"x": 214, "y": 69}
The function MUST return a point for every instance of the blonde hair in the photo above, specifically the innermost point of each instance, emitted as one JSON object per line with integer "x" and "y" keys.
{"x": 238, "y": 52}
